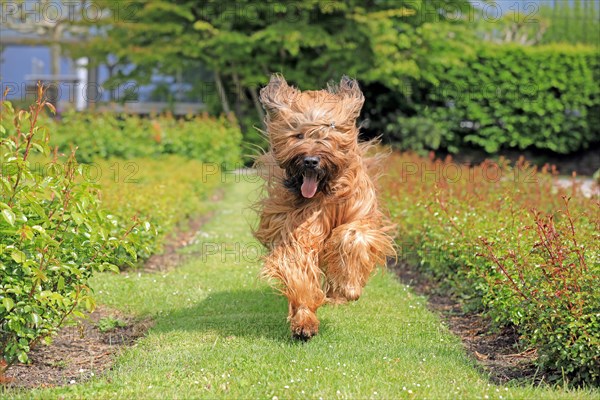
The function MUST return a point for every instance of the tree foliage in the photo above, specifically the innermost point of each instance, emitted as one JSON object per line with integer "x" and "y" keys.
{"x": 243, "y": 41}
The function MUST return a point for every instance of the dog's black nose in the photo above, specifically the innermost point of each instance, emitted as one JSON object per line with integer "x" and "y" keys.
{"x": 311, "y": 162}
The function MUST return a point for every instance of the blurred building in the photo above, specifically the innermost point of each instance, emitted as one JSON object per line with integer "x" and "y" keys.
{"x": 26, "y": 58}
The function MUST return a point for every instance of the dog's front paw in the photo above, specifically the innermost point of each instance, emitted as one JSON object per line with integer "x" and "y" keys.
{"x": 352, "y": 292}
{"x": 304, "y": 324}
{"x": 344, "y": 293}
{"x": 333, "y": 297}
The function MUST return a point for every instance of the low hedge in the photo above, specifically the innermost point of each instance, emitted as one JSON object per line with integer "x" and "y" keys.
{"x": 543, "y": 98}
{"x": 202, "y": 138}
{"x": 506, "y": 241}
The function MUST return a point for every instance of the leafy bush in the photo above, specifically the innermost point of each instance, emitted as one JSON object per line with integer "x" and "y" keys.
{"x": 203, "y": 138}
{"x": 54, "y": 236}
{"x": 419, "y": 134}
{"x": 550, "y": 291}
{"x": 503, "y": 97}
{"x": 504, "y": 239}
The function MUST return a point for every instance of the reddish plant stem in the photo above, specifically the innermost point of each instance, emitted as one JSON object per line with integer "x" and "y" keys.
{"x": 504, "y": 271}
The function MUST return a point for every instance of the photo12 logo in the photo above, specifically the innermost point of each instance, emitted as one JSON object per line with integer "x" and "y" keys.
{"x": 90, "y": 92}
{"x": 55, "y": 12}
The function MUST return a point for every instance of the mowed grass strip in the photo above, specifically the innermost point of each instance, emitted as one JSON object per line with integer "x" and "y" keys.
{"x": 222, "y": 333}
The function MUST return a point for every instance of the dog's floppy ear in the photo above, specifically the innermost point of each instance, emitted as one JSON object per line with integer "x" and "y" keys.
{"x": 351, "y": 95}
{"x": 277, "y": 96}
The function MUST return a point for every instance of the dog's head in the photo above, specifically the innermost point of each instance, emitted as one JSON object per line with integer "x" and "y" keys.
{"x": 312, "y": 134}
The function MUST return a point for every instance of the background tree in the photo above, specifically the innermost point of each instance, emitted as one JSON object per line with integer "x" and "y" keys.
{"x": 242, "y": 42}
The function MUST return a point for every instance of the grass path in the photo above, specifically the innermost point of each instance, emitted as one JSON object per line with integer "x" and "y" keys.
{"x": 221, "y": 333}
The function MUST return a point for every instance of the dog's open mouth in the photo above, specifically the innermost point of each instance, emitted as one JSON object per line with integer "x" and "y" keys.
{"x": 309, "y": 184}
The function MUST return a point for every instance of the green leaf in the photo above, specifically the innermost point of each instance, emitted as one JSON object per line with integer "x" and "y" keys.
{"x": 8, "y": 303}
{"x": 22, "y": 357}
{"x": 39, "y": 229}
{"x": 18, "y": 256}
{"x": 35, "y": 319}
{"x": 90, "y": 304}
{"x": 78, "y": 218}
{"x": 6, "y": 185}
{"x": 113, "y": 268}
{"x": 9, "y": 216}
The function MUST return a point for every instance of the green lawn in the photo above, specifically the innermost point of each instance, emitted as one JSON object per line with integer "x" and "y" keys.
{"x": 220, "y": 332}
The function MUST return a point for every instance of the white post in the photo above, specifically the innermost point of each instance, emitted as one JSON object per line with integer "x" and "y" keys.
{"x": 81, "y": 85}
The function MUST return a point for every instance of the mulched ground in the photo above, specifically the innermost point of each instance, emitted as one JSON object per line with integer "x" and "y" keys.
{"x": 82, "y": 351}
{"x": 78, "y": 352}
{"x": 497, "y": 353}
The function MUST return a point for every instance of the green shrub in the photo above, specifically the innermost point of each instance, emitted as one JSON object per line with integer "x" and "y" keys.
{"x": 547, "y": 288}
{"x": 505, "y": 240}
{"x": 420, "y": 134}
{"x": 202, "y": 138}
{"x": 504, "y": 97}
{"x": 54, "y": 235}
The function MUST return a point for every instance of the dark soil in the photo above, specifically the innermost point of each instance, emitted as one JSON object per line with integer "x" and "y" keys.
{"x": 78, "y": 352}
{"x": 497, "y": 352}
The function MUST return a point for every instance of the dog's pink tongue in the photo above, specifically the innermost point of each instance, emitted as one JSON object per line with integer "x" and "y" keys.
{"x": 309, "y": 186}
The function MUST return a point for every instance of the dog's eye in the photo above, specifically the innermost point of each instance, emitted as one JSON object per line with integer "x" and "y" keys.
{"x": 299, "y": 136}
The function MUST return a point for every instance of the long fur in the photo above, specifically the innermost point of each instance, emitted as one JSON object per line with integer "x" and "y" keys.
{"x": 322, "y": 248}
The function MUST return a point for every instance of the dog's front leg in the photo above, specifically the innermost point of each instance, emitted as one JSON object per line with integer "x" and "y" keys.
{"x": 351, "y": 254}
{"x": 296, "y": 268}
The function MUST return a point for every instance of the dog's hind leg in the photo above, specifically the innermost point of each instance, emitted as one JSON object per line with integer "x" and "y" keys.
{"x": 297, "y": 270}
{"x": 351, "y": 254}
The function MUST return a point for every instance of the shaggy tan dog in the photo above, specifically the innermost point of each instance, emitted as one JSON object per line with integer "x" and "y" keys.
{"x": 320, "y": 219}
